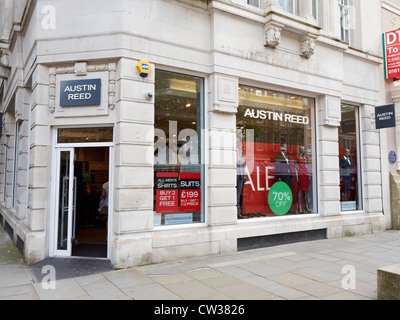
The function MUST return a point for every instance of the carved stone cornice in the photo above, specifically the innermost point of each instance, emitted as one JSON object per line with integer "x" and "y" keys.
{"x": 80, "y": 69}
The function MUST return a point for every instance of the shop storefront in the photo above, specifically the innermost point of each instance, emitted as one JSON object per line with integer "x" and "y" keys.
{"x": 279, "y": 165}
{"x": 208, "y": 137}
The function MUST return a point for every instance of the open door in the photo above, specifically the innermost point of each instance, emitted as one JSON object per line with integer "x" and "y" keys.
{"x": 65, "y": 204}
{"x": 91, "y": 170}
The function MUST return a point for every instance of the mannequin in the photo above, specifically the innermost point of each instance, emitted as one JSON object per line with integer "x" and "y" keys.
{"x": 240, "y": 179}
{"x": 283, "y": 170}
{"x": 345, "y": 175}
{"x": 303, "y": 179}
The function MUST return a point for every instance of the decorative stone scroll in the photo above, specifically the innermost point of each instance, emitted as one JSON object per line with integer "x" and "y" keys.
{"x": 273, "y": 32}
{"x": 307, "y": 45}
{"x": 81, "y": 69}
{"x": 4, "y": 64}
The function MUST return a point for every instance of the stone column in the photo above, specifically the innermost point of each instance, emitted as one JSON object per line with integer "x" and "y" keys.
{"x": 370, "y": 158}
{"x": 222, "y": 154}
{"x": 271, "y": 4}
{"x": 22, "y": 111}
{"x": 133, "y": 168}
{"x": 328, "y": 153}
{"x": 306, "y": 9}
{"x": 8, "y": 134}
{"x": 8, "y": 15}
{"x": 395, "y": 93}
{"x": 39, "y": 164}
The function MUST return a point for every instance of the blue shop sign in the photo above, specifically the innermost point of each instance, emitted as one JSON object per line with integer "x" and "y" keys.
{"x": 80, "y": 93}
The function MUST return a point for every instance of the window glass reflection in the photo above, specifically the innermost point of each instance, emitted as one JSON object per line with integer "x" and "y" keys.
{"x": 85, "y": 135}
{"x": 275, "y": 154}
{"x": 350, "y": 177}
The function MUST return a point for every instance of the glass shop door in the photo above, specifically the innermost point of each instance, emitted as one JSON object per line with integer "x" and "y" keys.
{"x": 65, "y": 205}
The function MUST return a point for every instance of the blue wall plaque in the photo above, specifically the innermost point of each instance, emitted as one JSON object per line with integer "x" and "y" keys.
{"x": 80, "y": 92}
{"x": 392, "y": 157}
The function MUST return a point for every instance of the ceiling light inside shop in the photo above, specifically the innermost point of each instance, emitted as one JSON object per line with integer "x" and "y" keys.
{"x": 182, "y": 85}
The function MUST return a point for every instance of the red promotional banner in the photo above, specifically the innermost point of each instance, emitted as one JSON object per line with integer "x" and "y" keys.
{"x": 167, "y": 201}
{"x": 189, "y": 192}
{"x": 167, "y": 192}
{"x": 391, "y": 47}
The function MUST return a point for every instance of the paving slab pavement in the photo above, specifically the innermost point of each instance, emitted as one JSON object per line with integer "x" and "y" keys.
{"x": 333, "y": 269}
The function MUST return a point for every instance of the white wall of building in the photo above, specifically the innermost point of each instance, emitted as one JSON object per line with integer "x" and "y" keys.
{"x": 222, "y": 41}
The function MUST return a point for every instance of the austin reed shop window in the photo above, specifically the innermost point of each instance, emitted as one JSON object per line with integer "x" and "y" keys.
{"x": 349, "y": 159}
{"x": 275, "y": 154}
{"x": 178, "y": 173}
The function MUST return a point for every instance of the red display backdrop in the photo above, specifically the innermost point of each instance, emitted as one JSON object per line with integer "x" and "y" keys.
{"x": 261, "y": 176}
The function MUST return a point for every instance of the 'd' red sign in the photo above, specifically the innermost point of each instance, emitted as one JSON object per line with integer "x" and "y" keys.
{"x": 391, "y": 47}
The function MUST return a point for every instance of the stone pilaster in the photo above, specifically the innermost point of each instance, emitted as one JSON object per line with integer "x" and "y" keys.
{"x": 306, "y": 9}
{"x": 328, "y": 153}
{"x": 40, "y": 151}
{"x": 133, "y": 170}
{"x": 372, "y": 189}
{"x": 22, "y": 112}
{"x": 395, "y": 93}
{"x": 222, "y": 150}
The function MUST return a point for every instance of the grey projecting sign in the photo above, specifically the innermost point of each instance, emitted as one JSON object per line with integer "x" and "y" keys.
{"x": 385, "y": 116}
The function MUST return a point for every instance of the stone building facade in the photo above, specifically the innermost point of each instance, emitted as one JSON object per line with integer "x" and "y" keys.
{"x": 189, "y": 110}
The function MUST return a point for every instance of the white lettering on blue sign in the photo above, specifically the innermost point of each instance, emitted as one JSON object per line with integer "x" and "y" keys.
{"x": 79, "y": 88}
{"x": 80, "y": 92}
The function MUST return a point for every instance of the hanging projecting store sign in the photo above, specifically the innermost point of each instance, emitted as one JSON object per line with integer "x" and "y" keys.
{"x": 385, "y": 116}
{"x": 80, "y": 93}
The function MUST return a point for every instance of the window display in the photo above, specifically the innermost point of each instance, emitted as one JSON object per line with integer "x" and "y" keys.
{"x": 275, "y": 154}
{"x": 350, "y": 192}
{"x": 178, "y": 173}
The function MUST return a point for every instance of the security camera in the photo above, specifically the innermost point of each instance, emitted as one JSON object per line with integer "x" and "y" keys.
{"x": 149, "y": 95}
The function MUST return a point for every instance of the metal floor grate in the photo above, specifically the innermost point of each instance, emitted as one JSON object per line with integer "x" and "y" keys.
{"x": 279, "y": 239}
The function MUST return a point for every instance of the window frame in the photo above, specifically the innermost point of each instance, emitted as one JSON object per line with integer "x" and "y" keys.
{"x": 344, "y": 20}
{"x": 201, "y": 117}
{"x": 277, "y": 139}
{"x": 358, "y": 145}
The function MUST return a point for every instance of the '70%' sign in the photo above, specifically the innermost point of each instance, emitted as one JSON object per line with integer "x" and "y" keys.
{"x": 280, "y": 198}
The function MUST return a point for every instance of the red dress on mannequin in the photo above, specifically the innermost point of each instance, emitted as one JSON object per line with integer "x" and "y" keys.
{"x": 302, "y": 173}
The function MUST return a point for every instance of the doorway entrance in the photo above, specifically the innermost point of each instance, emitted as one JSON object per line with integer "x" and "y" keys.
{"x": 82, "y": 182}
{"x": 91, "y": 171}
